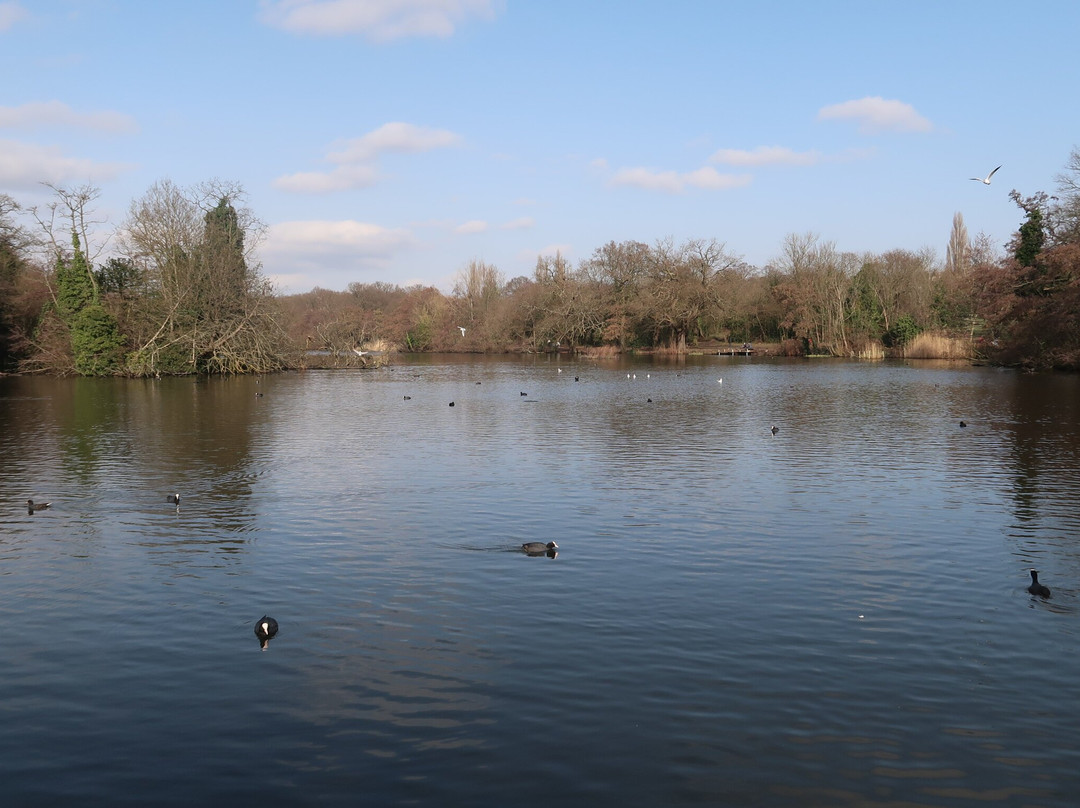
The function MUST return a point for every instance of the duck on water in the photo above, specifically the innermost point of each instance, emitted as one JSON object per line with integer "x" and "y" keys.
{"x": 537, "y": 548}
{"x": 1042, "y": 590}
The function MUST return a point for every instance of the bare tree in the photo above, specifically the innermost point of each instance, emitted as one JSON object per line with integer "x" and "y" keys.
{"x": 71, "y": 215}
{"x": 1068, "y": 208}
{"x": 209, "y": 310}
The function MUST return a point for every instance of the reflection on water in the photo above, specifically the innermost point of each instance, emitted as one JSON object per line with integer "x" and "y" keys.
{"x": 832, "y": 614}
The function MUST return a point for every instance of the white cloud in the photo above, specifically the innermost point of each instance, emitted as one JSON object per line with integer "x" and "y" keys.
{"x": 876, "y": 114}
{"x": 356, "y": 158}
{"x": 291, "y": 283}
{"x": 341, "y": 178}
{"x": 673, "y": 182}
{"x": 521, "y": 223}
{"x": 11, "y": 13}
{"x": 764, "y": 156}
{"x": 334, "y": 237}
{"x": 475, "y": 226}
{"x": 27, "y": 165}
{"x": 378, "y": 20}
{"x": 334, "y": 252}
{"x": 711, "y": 179}
{"x": 393, "y": 137}
{"x": 41, "y": 114}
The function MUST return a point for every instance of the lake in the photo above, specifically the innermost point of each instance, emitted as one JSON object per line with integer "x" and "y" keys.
{"x": 836, "y": 614}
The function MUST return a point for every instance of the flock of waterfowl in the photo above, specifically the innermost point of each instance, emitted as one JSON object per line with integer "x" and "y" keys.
{"x": 267, "y": 627}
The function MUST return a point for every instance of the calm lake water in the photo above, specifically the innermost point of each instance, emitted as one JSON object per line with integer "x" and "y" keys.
{"x": 834, "y": 615}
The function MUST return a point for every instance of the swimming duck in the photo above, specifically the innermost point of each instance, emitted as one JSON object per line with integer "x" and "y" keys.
{"x": 775, "y": 429}
{"x": 1036, "y": 588}
{"x": 538, "y": 547}
{"x": 31, "y": 507}
{"x": 174, "y": 499}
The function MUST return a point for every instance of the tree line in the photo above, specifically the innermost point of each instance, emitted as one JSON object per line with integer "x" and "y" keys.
{"x": 183, "y": 293}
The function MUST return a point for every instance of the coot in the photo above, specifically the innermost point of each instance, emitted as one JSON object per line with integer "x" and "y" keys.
{"x": 266, "y": 628}
{"x": 1036, "y": 588}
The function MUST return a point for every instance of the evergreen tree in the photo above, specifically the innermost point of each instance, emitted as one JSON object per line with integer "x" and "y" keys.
{"x": 1031, "y": 238}
{"x": 74, "y": 286}
{"x": 96, "y": 341}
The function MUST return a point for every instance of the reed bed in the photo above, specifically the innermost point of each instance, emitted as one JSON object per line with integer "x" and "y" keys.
{"x": 870, "y": 350}
{"x": 600, "y": 351}
{"x": 934, "y": 345}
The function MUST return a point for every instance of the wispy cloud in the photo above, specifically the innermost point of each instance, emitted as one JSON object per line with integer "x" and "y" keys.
{"x": 323, "y": 237}
{"x": 378, "y": 20}
{"x": 475, "y": 226}
{"x": 337, "y": 252}
{"x": 11, "y": 13}
{"x": 342, "y": 178}
{"x": 674, "y": 182}
{"x": 765, "y": 156}
{"x": 393, "y": 137}
{"x": 56, "y": 114}
{"x": 356, "y": 159}
{"x": 27, "y": 165}
{"x": 876, "y": 114}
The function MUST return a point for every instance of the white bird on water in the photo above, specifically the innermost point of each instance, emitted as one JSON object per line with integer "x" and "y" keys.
{"x": 986, "y": 180}
{"x": 462, "y": 330}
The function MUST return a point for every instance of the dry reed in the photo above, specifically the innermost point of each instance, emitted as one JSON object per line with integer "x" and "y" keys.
{"x": 935, "y": 345}
{"x": 870, "y": 350}
{"x": 600, "y": 351}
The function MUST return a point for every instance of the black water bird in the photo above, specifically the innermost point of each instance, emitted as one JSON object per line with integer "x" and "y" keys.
{"x": 775, "y": 429}
{"x": 266, "y": 628}
{"x": 538, "y": 547}
{"x": 451, "y": 403}
{"x": 648, "y": 401}
{"x": 258, "y": 395}
{"x": 524, "y": 394}
{"x": 1042, "y": 590}
{"x": 407, "y": 398}
{"x": 40, "y": 506}
{"x": 963, "y": 424}
{"x": 174, "y": 499}
{"x": 576, "y": 379}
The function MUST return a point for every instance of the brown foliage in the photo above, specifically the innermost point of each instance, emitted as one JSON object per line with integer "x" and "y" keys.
{"x": 1040, "y": 322}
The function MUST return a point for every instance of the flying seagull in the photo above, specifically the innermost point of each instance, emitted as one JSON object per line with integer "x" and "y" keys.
{"x": 988, "y": 176}
{"x": 462, "y": 330}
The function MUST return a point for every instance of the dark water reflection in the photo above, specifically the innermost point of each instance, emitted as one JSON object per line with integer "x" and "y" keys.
{"x": 832, "y": 615}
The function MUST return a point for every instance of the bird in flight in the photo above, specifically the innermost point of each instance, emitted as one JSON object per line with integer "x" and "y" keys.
{"x": 462, "y": 330}
{"x": 986, "y": 180}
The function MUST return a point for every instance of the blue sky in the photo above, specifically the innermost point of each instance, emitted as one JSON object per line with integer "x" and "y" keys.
{"x": 397, "y": 140}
